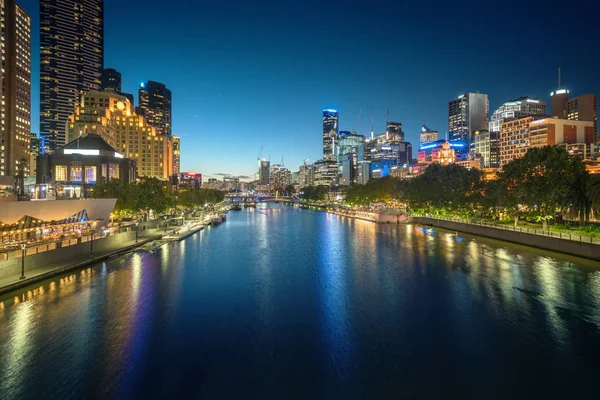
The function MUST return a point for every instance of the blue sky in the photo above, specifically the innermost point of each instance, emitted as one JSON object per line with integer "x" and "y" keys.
{"x": 251, "y": 74}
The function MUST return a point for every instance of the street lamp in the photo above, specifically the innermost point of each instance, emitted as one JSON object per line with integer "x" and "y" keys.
{"x": 136, "y": 232}
{"x": 92, "y": 244}
{"x": 23, "y": 246}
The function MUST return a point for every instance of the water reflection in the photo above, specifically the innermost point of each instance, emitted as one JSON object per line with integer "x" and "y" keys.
{"x": 281, "y": 300}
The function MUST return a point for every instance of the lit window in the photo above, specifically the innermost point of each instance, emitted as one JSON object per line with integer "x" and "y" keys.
{"x": 76, "y": 174}
{"x": 90, "y": 174}
{"x": 60, "y": 173}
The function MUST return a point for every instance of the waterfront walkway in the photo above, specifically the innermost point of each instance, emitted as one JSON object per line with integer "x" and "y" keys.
{"x": 13, "y": 281}
{"x": 566, "y": 243}
{"x": 171, "y": 233}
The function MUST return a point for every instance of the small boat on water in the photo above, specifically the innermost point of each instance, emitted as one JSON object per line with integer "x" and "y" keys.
{"x": 216, "y": 221}
{"x": 248, "y": 205}
{"x": 236, "y": 207}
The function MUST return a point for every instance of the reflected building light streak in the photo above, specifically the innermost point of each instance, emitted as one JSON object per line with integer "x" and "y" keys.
{"x": 18, "y": 347}
{"x": 552, "y": 295}
{"x": 336, "y": 319}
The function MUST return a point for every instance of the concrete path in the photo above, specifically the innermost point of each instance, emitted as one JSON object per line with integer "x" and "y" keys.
{"x": 14, "y": 282}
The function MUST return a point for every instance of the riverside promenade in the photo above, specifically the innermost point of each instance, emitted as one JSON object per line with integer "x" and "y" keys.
{"x": 87, "y": 254}
{"x": 566, "y": 243}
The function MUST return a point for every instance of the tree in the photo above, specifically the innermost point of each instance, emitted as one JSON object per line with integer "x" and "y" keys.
{"x": 538, "y": 182}
{"x": 593, "y": 191}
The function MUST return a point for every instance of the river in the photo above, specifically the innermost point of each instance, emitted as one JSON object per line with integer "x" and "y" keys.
{"x": 284, "y": 303}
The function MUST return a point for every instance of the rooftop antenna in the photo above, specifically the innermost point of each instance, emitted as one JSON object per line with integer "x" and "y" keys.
{"x": 372, "y": 130}
{"x": 559, "y": 77}
{"x": 387, "y": 121}
{"x": 282, "y": 161}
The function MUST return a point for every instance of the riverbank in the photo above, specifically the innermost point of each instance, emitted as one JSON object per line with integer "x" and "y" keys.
{"x": 563, "y": 243}
{"x": 51, "y": 264}
{"x": 378, "y": 218}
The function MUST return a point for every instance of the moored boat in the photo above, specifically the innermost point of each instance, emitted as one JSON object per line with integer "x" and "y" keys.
{"x": 247, "y": 205}
{"x": 236, "y": 207}
{"x": 216, "y": 221}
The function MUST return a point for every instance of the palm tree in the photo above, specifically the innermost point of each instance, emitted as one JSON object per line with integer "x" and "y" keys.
{"x": 593, "y": 191}
{"x": 577, "y": 200}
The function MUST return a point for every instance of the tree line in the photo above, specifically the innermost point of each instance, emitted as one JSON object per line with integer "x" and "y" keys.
{"x": 152, "y": 194}
{"x": 534, "y": 187}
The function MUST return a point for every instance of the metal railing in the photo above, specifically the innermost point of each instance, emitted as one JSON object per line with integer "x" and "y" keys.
{"x": 532, "y": 231}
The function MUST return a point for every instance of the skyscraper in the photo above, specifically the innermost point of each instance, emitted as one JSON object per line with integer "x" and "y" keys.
{"x": 264, "y": 173}
{"x": 467, "y": 114}
{"x": 111, "y": 80}
{"x": 559, "y": 103}
{"x": 155, "y": 105}
{"x": 330, "y": 131}
{"x": 71, "y": 60}
{"x": 394, "y": 129}
{"x": 15, "y": 82}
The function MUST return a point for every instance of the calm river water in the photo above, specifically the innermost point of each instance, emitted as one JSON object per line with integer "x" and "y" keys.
{"x": 283, "y": 303}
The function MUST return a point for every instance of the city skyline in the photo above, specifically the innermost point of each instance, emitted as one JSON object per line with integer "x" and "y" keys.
{"x": 227, "y": 85}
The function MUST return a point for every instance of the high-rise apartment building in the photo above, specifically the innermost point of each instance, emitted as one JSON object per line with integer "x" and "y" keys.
{"x": 428, "y": 136}
{"x": 111, "y": 116}
{"x": 71, "y": 60}
{"x": 584, "y": 108}
{"x": 466, "y": 114}
{"x": 111, "y": 80}
{"x": 514, "y": 139}
{"x": 15, "y": 83}
{"x": 330, "y": 132}
{"x": 154, "y": 103}
{"x": 264, "y": 173}
{"x": 176, "y": 155}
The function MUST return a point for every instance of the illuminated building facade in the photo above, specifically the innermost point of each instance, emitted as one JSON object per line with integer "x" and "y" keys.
{"x": 192, "y": 180}
{"x": 515, "y": 109}
{"x": 111, "y": 116}
{"x": 71, "y": 60}
{"x": 15, "y": 82}
{"x": 176, "y": 154}
{"x": 280, "y": 177}
{"x": 325, "y": 173}
{"x": 154, "y": 104}
{"x": 486, "y": 144}
{"x": 576, "y": 136}
{"x": 514, "y": 139}
{"x": 466, "y": 114}
{"x": 428, "y": 136}
{"x": 584, "y": 108}
{"x": 394, "y": 129}
{"x": 73, "y": 170}
{"x": 330, "y": 132}
{"x": 435, "y": 152}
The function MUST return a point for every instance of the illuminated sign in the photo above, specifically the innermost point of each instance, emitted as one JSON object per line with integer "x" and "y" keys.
{"x": 331, "y": 110}
{"x": 82, "y": 152}
{"x": 532, "y": 101}
{"x": 118, "y": 155}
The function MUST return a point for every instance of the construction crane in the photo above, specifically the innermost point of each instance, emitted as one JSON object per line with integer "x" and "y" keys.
{"x": 306, "y": 160}
{"x": 282, "y": 161}
{"x": 259, "y": 155}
